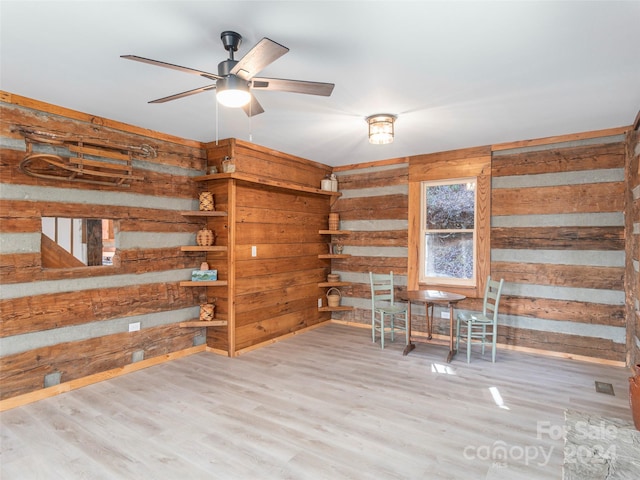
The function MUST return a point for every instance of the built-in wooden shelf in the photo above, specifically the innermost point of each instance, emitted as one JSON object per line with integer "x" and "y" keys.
{"x": 203, "y": 248}
{"x": 335, "y": 309}
{"x": 244, "y": 177}
{"x": 334, "y": 284}
{"x": 212, "y": 283}
{"x": 334, "y": 232}
{"x": 203, "y": 213}
{"x": 334, "y": 255}
{"x": 201, "y": 323}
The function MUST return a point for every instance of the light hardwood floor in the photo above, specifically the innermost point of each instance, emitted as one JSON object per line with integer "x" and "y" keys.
{"x": 326, "y": 404}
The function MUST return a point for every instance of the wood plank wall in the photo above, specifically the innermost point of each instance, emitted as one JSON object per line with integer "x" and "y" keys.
{"x": 277, "y": 291}
{"x": 274, "y": 293}
{"x": 74, "y": 322}
{"x": 557, "y": 238}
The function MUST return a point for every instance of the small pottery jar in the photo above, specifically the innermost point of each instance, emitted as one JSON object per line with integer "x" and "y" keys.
{"x": 204, "y": 266}
{"x": 634, "y": 397}
{"x": 205, "y": 237}
{"x": 334, "y": 182}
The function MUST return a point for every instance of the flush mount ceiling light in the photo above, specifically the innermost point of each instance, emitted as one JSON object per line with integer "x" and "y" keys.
{"x": 381, "y": 128}
{"x": 232, "y": 92}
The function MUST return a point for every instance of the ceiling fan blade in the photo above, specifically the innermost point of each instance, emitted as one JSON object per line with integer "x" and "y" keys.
{"x": 183, "y": 94}
{"x": 210, "y": 76}
{"x": 253, "y": 107}
{"x": 295, "y": 86}
{"x": 262, "y": 54}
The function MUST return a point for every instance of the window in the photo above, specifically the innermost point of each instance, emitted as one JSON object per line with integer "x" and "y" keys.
{"x": 450, "y": 250}
{"x": 447, "y": 232}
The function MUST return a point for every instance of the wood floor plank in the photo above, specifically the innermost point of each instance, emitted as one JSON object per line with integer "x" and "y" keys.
{"x": 325, "y": 404}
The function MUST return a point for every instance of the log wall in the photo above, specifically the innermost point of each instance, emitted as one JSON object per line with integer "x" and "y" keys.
{"x": 74, "y": 322}
{"x": 558, "y": 241}
{"x": 632, "y": 215}
{"x": 557, "y": 238}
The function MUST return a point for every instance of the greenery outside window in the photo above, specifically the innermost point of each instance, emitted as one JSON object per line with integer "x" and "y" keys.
{"x": 448, "y": 232}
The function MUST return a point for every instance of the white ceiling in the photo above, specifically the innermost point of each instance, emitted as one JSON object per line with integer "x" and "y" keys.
{"x": 457, "y": 74}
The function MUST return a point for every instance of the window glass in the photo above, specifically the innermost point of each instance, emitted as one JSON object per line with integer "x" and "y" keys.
{"x": 448, "y": 240}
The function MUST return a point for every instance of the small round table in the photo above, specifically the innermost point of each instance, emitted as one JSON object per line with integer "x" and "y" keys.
{"x": 429, "y": 298}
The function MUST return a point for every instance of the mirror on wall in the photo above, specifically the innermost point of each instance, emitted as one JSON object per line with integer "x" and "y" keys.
{"x": 77, "y": 242}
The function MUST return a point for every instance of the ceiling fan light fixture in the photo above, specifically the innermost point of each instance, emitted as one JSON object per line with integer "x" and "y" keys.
{"x": 232, "y": 92}
{"x": 381, "y": 128}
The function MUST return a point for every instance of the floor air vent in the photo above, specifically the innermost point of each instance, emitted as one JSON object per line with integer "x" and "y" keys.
{"x": 602, "y": 387}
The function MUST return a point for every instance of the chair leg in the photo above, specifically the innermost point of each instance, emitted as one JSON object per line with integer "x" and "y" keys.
{"x": 373, "y": 327}
{"x": 381, "y": 330}
{"x": 457, "y": 334}
{"x": 494, "y": 343}
{"x": 484, "y": 337}
{"x": 469, "y": 328}
{"x": 393, "y": 327}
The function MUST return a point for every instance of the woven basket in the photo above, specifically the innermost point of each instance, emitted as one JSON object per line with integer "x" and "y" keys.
{"x": 334, "y": 221}
{"x": 333, "y": 277}
{"x": 206, "y": 201}
{"x": 333, "y": 298}
{"x": 205, "y": 237}
{"x": 206, "y": 312}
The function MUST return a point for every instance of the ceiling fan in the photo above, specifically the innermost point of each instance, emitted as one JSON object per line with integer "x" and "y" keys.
{"x": 236, "y": 78}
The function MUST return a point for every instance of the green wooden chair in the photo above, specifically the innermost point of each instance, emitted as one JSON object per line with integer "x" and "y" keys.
{"x": 383, "y": 306}
{"x": 475, "y": 326}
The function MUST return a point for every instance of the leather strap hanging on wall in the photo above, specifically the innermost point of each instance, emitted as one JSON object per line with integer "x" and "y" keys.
{"x": 72, "y": 158}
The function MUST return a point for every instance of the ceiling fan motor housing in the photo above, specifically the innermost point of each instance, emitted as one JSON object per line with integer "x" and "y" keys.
{"x": 225, "y": 67}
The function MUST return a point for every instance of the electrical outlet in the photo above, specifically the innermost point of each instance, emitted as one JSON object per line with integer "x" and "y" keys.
{"x": 254, "y": 251}
{"x": 134, "y": 327}
{"x": 444, "y": 315}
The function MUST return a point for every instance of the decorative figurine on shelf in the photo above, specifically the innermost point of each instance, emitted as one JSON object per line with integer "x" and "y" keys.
{"x": 205, "y": 237}
{"x": 206, "y": 202}
{"x": 334, "y": 182}
{"x": 337, "y": 249}
{"x": 212, "y": 170}
{"x": 228, "y": 165}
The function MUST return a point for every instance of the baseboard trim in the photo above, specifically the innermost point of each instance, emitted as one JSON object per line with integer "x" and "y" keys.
{"x": 444, "y": 340}
{"x": 280, "y": 338}
{"x": 31, "y": 397}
